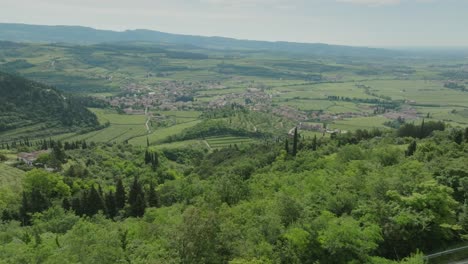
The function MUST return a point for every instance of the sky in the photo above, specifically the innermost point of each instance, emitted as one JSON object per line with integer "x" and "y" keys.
{"x": 377, "y": 23}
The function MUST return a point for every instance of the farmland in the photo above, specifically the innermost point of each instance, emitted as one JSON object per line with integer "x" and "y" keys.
{"x": 154, "y": 94}
{"x": 10, "y": 186}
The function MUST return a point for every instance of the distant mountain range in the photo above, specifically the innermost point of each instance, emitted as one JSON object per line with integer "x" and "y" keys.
{"x": 86, "y": 35}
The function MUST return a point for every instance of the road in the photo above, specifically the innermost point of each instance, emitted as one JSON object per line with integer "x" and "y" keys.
{"x": 148, "y": 118}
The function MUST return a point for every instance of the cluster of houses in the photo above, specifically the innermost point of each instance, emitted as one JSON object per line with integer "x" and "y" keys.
{"x": 29, "y": 158}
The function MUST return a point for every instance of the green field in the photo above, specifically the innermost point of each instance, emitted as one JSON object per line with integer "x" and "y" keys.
{"x": 228, "y": 141}
{"x": 159, "y": 135}
{"x": 359, "y": 123}
{"x": 105, "y": 70}
{"x": 11, "y": 180}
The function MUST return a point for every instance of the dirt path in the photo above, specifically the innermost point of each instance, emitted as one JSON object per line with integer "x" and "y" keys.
{"x": 207, "y": 144}
{"x": 148, "y": 119}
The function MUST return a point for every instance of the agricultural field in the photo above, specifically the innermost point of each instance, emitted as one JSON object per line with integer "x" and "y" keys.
{"x": 281, "y": 89}
{"x": 159, "y": 135}
{"x": 120, "y": 128}
{"x": 11, "y": 180}
{"x": 228, "y": 141}
{"x": 351, "y": 124}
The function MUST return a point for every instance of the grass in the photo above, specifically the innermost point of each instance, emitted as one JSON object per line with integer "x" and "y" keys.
{"x": 183, "y": 144}
{"x": 180, "y": 116}
{"x": 10, "y": 176}
{"x": 420, "y": 91}
{"x": 352, "y": 124}
{"x": 161, "y": 134}
{"x": 112, "y": 117}
{"x": 10, "y": 186}
{"x": 226, "y": 141}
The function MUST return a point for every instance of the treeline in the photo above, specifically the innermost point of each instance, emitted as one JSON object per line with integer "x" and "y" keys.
{"x": 420, "y": 131}
{"x": 44, "y": 144}
{"x": 455, "y": 86}
{"x": 209, "y": 128}
{"x": 43, "y": 189}
{"x": 381, "y": 103}
{"x": 265, "y": 72}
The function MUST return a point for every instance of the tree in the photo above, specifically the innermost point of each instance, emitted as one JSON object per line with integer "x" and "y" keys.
{"x": 120, "y": 195}
{"x": 296, "y": 138}
{"x": 24, "y": 210}
{"x": 346, "y": 239}
{"x": 154, "y": 160}
{"x": 457, "y": 136}
{"x": 66, "y": 204}
{"x": 136, "y": 199}
{"x": 466, "y": 134}
{"x": 422, "y": 132}
{"x": 111, "y": 207}
{"x": 50, "y": 185}
{"x": 286, "y": 146}
{"x": 147, "y": 157}
{"x": 38, "y": 201}
{"x": 153, "y": 197}
{"x": 76, "y": 206}
{"x": 314, "y": 143}
{"x": 137, "y": 209}
{"x": 411, "y": 149}
{"x": 94, "y": 203}
{"x": 198, "y": 241}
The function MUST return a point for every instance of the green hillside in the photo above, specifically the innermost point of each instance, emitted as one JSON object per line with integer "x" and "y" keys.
{"x": 24, "y": 103}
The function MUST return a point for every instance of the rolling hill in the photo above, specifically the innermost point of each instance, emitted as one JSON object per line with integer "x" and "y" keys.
{"x": 24, "y": 103}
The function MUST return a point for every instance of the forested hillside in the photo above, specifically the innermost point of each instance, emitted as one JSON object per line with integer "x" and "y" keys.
{"x": 363, "y": 197}
{"x": 25, "y": 103}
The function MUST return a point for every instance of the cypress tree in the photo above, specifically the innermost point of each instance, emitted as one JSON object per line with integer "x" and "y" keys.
{"x": 84, "y": 203}
{"x": 120, "y": 195}
{"x": 138, "y": 208}
{"x": 136, "y": 199}
{"x": 314, "y": 143}
{"x": 153, "y": 197}
{"x": 458, "y": 136}
{"x": 24, "y": 210}
{"x": 38, "y": 202}
{"x": 411, "y": 149}
{"x": 295, "y": 142}
{"x": 76, "y": 206}
{"x": 422, "y": 132}
{"x": 95, "y": 202}
{"x": 286, "y": 146}
{"x": 147, "y": 158}
{"x": 154, "y": 160}
{"x": 134, "y": 191}
{"x": 111, "y": 205}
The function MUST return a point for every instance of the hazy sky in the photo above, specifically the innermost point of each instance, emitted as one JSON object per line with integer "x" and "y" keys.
{"x": 349, "y": 22}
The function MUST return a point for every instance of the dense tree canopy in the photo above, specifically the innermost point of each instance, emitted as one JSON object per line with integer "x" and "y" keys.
{"x": 338, "y": 200}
